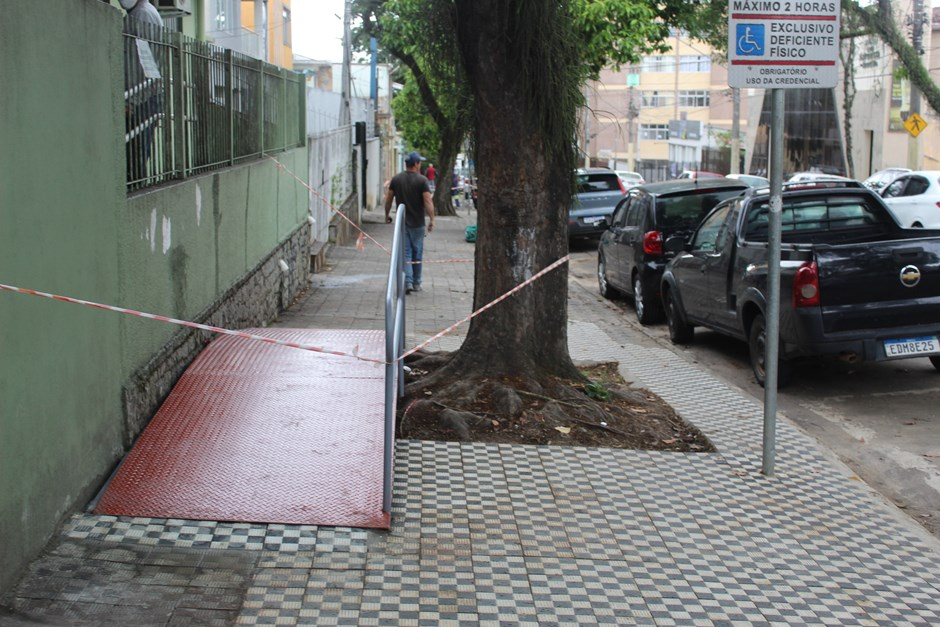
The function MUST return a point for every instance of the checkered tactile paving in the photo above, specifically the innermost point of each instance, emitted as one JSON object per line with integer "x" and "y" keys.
{"x": 551, "y": 535}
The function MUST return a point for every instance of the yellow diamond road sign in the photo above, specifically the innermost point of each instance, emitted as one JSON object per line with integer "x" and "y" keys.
{"x": 915, "y": 124}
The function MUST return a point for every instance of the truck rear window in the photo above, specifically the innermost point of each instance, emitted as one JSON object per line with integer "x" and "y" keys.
{"x": 687, "y": 210}
{"x": 818, "y": 215}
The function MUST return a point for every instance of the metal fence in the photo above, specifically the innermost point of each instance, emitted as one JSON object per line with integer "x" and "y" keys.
{"x": 191, "y": 107}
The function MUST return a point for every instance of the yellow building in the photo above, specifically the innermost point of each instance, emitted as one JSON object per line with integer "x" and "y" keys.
{"x": 270, "y": 20}
{"x": 670, "y": 113}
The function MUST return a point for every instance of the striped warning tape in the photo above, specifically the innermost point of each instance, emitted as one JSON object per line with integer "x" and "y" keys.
{"x": 269, "y": 340}
{"x": 441, "y": 261}
{"x": 186, "y": 323}
{"x": 362, "y": 233}
{"x": 488, "y": 305}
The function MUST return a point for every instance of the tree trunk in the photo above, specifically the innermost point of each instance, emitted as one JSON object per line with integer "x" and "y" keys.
{"x": 848, "y": 58}
{"x": 442, "y": 198}
{"x": 524, "y": 195}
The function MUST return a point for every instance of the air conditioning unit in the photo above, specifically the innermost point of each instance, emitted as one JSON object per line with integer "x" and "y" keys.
{"x": 175, "y": 8}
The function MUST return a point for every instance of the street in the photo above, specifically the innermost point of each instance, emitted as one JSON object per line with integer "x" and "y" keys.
{"x": 880, "y": 419}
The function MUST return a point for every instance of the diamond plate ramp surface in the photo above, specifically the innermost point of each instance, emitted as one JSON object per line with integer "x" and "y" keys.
{"x": 255, "y": 432}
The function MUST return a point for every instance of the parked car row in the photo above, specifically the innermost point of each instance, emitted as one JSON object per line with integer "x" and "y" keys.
{"x": 913, "y": 197}
{"x": 855, "y": 284}
{"x": 630, "y": 257}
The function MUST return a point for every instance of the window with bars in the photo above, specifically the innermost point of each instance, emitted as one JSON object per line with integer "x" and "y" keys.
{"x": 697, "y": 98}
{"x": 221, "y": 15}
{"x": 656, "y": 99}
{"x": 695, "y": 63}
{"x": 654, "y": 131}
{"x": 287, "y": 26}
{"x": 658, "y": 63}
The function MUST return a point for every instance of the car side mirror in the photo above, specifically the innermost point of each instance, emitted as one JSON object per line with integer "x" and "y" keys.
{"x": 604, "y": 224}
{"x": 676, "y": 244}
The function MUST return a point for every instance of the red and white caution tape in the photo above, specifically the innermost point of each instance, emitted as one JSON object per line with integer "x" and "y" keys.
{"x": 487, "y": 306}
{"x": 362, "y": 233}
{"x": 441, "y": 261}
{"x": 269, "y": 340}
{"x": 185, "y": 323}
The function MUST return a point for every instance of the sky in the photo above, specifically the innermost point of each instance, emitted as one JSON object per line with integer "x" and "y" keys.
{"x": 317, "y": 29}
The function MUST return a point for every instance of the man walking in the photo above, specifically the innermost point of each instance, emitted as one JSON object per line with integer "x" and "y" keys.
{"x": 413, "y": 190}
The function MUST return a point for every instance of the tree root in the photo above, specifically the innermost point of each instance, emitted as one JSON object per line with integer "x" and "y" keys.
{"x": 525, "y": 410}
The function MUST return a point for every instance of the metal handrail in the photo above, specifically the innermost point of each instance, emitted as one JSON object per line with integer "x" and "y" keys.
{"x": 394, "y": 345}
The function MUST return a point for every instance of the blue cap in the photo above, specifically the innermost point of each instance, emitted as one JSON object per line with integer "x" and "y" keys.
{"x": 413, "y": 158}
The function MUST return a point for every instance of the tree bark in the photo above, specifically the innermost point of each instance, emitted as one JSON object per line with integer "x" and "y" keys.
{"x": 522, "y": 218}
{"x": 848, "y": 58}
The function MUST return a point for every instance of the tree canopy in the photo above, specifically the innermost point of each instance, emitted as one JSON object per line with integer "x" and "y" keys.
{"x": 434, "y": 110}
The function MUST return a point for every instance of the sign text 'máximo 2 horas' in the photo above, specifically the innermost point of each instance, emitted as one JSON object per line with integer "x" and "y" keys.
{"x": 783, "y": 44}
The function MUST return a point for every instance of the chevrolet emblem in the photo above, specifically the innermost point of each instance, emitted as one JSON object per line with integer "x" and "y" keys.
{"x": 910, "y": 276}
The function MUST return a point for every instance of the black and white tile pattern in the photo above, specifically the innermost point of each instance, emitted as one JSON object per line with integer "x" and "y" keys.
{"x": 495, "y": 534}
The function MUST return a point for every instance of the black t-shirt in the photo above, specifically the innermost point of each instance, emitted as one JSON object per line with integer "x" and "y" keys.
{"x": 409, "y": 188}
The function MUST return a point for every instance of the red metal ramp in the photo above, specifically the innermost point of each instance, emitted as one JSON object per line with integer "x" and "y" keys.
{"x": 256, "y": 432}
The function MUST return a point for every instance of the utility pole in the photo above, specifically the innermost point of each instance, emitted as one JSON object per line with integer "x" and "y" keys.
{"x": 735, "y": 131}
{"x": 916, "y": 21}
{"x": 632, "y": 113}
{"x": 587, "y": 126}
{"x": 345, "y": 114}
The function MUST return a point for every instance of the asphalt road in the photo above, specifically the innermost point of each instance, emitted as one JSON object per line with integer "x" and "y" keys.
{"x": 881, "y": 419}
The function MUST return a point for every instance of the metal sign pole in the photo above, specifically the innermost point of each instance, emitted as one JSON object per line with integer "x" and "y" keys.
{"x": 777, "y": 46}
{"x": 772, "y": 325}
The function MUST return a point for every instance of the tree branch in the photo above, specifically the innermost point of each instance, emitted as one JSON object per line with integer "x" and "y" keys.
{"x": 882, "y": 22}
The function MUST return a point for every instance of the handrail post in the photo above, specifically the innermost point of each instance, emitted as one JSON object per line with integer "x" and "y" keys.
{"x": 394, "y": 345}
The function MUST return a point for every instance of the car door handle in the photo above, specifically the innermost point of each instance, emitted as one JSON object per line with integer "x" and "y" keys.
{"x": 910, "y": 254}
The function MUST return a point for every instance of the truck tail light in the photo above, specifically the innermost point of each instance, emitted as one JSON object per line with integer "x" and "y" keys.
{"x": 653, "y": 243}
{"x": 806, "y": 286}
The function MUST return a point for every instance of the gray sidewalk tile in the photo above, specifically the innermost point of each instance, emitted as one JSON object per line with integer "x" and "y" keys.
{"x": 487, "y": 534}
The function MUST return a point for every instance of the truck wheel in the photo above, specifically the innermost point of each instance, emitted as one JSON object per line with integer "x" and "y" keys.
{"x": 680, "y": 331}
{"x": 757, "y": 342}
{"x": 936, "y": 362}
{"x": 603, "y": 286}
{"x": 647, "y": 310}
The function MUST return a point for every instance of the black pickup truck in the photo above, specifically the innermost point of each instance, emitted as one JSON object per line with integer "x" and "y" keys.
{"x": 853, "y": 283}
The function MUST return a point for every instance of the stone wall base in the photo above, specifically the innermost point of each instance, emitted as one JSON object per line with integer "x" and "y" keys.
{"x": 254, "y": 301}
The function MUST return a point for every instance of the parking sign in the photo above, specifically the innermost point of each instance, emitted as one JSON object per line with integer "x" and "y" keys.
{"x": 750, "y": 39}
{"x": 783, "y": 44}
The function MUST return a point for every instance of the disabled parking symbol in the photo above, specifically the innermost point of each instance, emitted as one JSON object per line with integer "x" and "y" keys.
{"x": 750, "y": 40}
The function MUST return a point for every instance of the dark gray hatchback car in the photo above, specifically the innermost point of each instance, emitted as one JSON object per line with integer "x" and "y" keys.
{"x": 630, "y": 257}
{"x": 598, "y": 192}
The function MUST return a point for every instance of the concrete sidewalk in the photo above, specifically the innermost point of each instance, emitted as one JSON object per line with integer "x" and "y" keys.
{"x": 499, "y": 534}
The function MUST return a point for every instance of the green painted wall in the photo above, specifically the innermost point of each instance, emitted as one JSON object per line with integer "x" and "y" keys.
{"x": 183, "y": 245}
{"x": 61, "y": 170}
{"x": 67, "y": 227}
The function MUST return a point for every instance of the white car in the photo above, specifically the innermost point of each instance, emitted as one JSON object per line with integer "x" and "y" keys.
{"x": 802, "y": 177}
{"x": 630, "y": 179}
{"x": 882, "y": 178}
{"x": 914, "y": 199}
{"x": 752, "y": 180}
